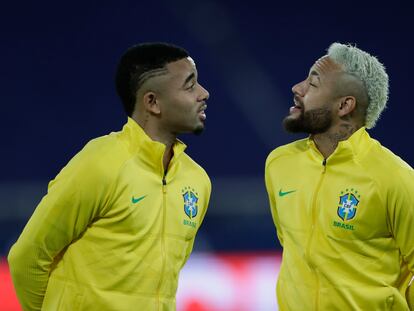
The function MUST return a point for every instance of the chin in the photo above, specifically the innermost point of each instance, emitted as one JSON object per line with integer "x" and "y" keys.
{"x": 199, "y": 129}
{"x": 293, "y": 125}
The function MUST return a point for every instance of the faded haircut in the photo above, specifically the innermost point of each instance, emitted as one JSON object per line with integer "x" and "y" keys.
{"x": 140, "y": 63}
{"x": 367, "y": 69}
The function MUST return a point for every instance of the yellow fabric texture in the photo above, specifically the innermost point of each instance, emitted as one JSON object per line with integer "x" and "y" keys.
{"x": 346, "y": 225}
{"x": 110, "y": 234}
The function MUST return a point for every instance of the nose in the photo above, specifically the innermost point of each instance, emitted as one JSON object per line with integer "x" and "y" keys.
{"x": 204, "y": 94}
{"x": 299, "y": 88}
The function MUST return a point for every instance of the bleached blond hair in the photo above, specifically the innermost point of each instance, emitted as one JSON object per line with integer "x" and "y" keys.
{"x": 370, "y": 71}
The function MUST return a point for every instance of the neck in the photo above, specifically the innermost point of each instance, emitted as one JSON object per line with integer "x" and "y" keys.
{"x": 328, "y": 141}
{"x": 156, "y": 133}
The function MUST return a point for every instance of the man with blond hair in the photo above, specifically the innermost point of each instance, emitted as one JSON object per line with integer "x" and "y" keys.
{"x": 343, "y": 204}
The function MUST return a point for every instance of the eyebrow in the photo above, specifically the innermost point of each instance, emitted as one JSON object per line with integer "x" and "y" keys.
{"x": 189, "y": 78}
{"x": 315, "y": 73}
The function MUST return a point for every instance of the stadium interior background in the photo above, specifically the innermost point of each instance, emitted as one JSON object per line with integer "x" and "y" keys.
{"x": 57, "y": 92}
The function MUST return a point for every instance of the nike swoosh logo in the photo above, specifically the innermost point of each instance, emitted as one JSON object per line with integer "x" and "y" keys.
{"x": 138, "y": 199}
{"x": 282, "y": 194}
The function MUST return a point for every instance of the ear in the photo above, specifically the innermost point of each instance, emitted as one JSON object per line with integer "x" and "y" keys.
{"x": 346, "y": 106}
{"x": 151, "y": 102}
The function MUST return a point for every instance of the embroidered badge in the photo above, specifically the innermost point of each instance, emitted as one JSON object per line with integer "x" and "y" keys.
{"x": 347, "y": 208}
{"x": 190, "y": 202}
{"x": 348, "y": 203}
{"x": 190, "y": 197}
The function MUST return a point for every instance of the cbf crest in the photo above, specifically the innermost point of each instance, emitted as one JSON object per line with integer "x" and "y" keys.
{"x": 190, "y": 197}
{"x": 348, "y": 202}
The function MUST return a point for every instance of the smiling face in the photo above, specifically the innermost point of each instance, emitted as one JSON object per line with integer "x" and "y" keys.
{"x": 314, "y": 99}
{"x": 181, "y": 99}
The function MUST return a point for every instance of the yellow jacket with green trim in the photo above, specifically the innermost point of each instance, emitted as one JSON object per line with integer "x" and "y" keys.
{"x": 112, "y": 233}
{"x": 346, "y": 225}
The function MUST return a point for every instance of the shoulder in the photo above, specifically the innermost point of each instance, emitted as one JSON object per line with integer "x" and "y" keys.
{"x": 394, "y": 176}
{"x": 388, "y": 161}
{"x": 192, "y": 167}
{"x": 288, "y": 150}
{"x": 100, "y": 158}
{"x": 395, "y": 168}
{"x": 388, "y": 167}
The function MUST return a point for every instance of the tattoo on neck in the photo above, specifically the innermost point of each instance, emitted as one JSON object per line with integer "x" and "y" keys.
{"x": 145, "y": 120}
{"x": 344, "y": 132}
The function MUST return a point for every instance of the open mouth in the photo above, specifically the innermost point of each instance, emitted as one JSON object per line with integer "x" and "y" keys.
{"x": 201, "y": 113}
{"x": 295, "y": 108}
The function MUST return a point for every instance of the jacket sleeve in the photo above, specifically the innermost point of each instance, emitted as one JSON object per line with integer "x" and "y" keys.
{"x": 272, "y": 201}
{"x": 401, "y": 214}
{"x": 72, "y": 202}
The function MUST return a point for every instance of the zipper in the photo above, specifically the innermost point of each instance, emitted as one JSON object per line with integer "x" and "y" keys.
{"x": 313, "y": 219}
{"x": 164, "y": 208}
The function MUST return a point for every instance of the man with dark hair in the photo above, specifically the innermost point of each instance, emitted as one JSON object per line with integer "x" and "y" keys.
{"x": 119, "y": 221}
{"x": 343, "y": 205}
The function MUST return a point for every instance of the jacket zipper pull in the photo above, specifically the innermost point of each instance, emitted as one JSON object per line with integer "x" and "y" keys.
{"x": 164, "y": 183}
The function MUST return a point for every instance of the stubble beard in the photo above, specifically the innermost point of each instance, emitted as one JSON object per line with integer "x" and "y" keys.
{"x": 313, "y": 121}
{"x": 199, "y": 130}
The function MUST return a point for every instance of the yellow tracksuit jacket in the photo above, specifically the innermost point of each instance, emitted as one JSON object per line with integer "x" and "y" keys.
{"x": 346, "y": 225}
{"x": 112, "y": 233}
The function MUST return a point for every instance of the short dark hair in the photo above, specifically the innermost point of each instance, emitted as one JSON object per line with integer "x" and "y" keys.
{"x": 138, "y": 60}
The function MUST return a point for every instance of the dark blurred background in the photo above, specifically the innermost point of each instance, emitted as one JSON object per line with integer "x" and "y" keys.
{"x": 57, "y": 91}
